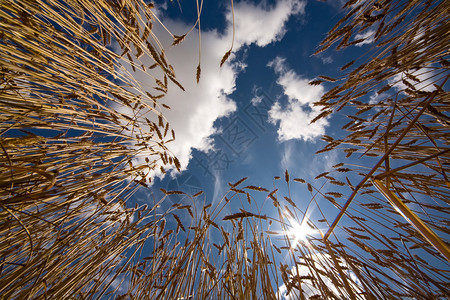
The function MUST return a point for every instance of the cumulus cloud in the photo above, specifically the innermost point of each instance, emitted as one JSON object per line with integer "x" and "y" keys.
{"x": 295, "y": 117}
{"x": 194, "y": 111}
{"x": 262, "y": 25}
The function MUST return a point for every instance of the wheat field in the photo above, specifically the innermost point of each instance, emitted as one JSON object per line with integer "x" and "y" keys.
{"x": 68, "y": 167}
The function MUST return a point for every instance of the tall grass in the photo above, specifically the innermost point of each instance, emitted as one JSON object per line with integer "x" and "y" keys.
{"x": 68, "y": 168}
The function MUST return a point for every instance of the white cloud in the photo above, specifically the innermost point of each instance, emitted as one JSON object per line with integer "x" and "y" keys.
{"x": 194, "y": 111}
{"x": 295, "y": 117}
{"x": 262, "y": 25}
{"x": 323, "y": 163}
{"x": 287, "y": 161}
{"x": 376, "y": 98}
{"x": 368, "y": 37}
{"x": 219, "y": 188}
{"x": 424, "y": 80}
{"x": 256, "y": 98}
{"x": 324, "y": 263}
{"x": 326, "y": 59}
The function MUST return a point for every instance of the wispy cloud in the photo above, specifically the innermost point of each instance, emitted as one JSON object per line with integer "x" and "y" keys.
{"x": 295, "y": 118}
{"x": 287, "y": 157}
{"x": 326, "y": 59}
{"x": 323, "y": 163}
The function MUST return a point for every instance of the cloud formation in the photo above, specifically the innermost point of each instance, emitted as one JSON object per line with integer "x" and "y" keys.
{"x": 263, "y": 25}
{"x": 194, "y": 111}
{"x": 423, "y": 80}
{"x": 325, "y": 264}
{"x": 295, "y": 118}
{"x": 368, "y": 37}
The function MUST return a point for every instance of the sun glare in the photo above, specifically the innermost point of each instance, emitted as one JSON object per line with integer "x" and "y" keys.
{"x": 299, "y": 232}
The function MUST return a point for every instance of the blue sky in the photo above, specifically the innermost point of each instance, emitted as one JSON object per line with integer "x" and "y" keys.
{"x": 250, "y": 117}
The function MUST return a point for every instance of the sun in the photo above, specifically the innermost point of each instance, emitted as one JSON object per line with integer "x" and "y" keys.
{"x": 299, "y": 232}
